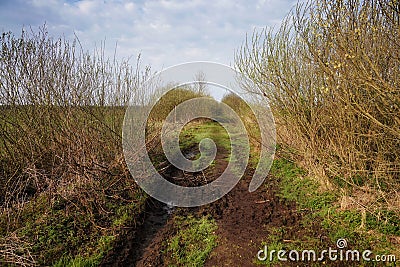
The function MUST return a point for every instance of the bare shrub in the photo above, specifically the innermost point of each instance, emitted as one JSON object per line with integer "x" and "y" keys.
{"x": 15, "y": 251}
{"x": 61, "y": 120}
{"x": 331, "y": 73}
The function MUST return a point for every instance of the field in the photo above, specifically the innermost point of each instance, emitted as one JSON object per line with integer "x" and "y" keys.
{"x": 330, "y": 75}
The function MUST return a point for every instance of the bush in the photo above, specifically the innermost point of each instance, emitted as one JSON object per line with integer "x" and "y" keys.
{"x": 60, "y": 152}
{"x": 331, "y": 73}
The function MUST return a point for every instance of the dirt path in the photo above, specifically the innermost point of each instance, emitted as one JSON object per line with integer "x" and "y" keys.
{"x": 244, "y": 221}
{"x": 131, "y": 246}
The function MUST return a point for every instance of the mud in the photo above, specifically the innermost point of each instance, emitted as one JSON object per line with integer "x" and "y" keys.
{"x": 244, "y": 221}
{"x": 131, "y": 246}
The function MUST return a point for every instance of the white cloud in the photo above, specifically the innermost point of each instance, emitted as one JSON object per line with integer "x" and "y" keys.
{"x": 165, "y": 32}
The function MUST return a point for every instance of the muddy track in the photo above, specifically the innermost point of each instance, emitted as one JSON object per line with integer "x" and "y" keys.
{"x": 244, "y": 221}
{"x": 142, "y": 245}
{"x": 130, "y": 246}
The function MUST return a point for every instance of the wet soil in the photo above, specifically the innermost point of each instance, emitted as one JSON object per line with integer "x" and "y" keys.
{"x": 131, "y": 246}
{"x": 244, "y": 221}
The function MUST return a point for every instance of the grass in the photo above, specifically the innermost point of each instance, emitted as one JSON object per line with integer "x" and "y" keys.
{"x": 77, "y": 225}
{"x": 296, "y": 186}
{"x": 70, "y": 236}
{"x": 194, "y": 132}
{"x": 274, "y": 243}
{"x": 103, "y": 246}
{"x": 321, "y": 209}
{"x": 193, "y": 241}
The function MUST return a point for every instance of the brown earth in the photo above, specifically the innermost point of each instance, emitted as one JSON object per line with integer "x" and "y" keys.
{"x": 244, "y": 221}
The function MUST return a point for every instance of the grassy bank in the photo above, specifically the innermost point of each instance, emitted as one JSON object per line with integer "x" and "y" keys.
{"x": 327, "y": 216}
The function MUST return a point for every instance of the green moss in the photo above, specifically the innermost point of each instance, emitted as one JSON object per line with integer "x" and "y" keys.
{"x": 125, "y": 214}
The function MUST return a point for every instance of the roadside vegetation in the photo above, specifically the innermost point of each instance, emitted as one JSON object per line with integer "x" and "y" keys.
{"x": 331, "y": 74}
{"x": 66, "y": 192}
{"x": 322, "y": 212}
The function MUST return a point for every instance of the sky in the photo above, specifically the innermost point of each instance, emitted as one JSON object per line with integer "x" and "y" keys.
{"x": 164, "y": 33}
